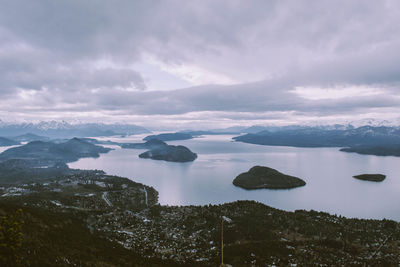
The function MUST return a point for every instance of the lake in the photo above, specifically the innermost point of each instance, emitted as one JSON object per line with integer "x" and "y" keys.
{"x": 208, "y": 180}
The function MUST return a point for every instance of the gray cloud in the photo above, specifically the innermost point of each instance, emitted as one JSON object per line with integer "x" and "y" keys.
{"x": 80, "y": 56}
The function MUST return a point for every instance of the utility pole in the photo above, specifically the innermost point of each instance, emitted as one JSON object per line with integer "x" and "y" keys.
{"x": 224, "y": 218}
{"x": 222, "y": 242}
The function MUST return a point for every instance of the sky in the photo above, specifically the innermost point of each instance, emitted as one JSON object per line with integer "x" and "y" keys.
{"x": 200, "y": 64}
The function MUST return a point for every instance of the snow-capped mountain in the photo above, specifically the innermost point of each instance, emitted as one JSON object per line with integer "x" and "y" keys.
{"x": 375, "y": 122}
{"x": 61, "y": 129}
{"x": 46, "y": 125}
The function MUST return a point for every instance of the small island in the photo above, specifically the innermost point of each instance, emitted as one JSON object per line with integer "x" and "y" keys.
{"x": 371, "y": 177}
{"x": 150, "y": 144}
{"x": 169, "y": 137}
{"x": 170, "y": 153}
{"x": 160, "y": 150}
{"x": 260, "y": 177}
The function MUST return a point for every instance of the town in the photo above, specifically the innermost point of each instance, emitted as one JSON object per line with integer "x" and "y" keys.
{"x": 128, "y": 214}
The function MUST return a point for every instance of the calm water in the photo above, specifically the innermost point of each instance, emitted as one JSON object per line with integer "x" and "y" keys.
{"x": 327, "y": 171}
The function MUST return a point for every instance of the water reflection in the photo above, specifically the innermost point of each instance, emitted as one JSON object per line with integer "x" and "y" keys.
{"x": 327, "y": 171}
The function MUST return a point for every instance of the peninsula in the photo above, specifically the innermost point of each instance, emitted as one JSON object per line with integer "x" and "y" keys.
{"x": 45, "y": 154}
{"x": 377, "y": 150}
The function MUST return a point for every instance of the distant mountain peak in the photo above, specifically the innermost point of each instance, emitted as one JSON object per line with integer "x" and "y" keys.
{"x": 63, "y": 129}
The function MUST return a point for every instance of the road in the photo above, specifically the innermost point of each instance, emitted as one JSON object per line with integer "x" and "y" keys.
{"x": 145, "y": 194}
{"x": 104, "y": 196}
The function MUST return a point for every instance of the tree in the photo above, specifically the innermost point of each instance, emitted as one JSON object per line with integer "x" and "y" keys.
{"x": 11, "y": 239}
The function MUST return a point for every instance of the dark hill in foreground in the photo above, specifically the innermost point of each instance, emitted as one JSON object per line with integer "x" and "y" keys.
{"x": 100, "y": 220}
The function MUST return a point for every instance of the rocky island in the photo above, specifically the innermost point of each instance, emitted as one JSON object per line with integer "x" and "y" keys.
{"x": 371, "y": 177}
{"x": 264, "y": 177}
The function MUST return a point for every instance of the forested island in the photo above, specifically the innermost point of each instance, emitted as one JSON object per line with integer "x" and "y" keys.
{"x": 169, "y": 136}
{"x": 150, "y": 144}
{"x": 170, "y": 153}
{"x": 159, "y": 150}
{"x": 260, "y": 177}
{"x": 371, "y": 177}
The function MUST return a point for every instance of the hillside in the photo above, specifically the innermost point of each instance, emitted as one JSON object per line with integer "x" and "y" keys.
{"x": 48, "y": 153}
{"x": 318, "y": 137}
{"x": 150, "y": 144}
{"x": 29, "y": 137}
{"x": 169, "y": 136}
{"x": 100, "y": 220}
{"x": 8, "y": 142}
{"x": 377, "y": 150}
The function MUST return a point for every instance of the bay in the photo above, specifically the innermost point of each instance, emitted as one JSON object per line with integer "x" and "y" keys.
{"x": 208, "y": 180}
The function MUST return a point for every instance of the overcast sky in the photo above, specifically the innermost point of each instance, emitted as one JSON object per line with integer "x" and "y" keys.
{"x": 192, "y": 64}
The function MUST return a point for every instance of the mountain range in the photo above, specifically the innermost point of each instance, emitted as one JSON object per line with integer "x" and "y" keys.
{"x": 319, "y": 137}
{"x": 63, "y": 129}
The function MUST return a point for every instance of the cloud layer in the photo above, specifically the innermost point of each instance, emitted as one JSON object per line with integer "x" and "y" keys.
{"x": 110, "y": 60}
